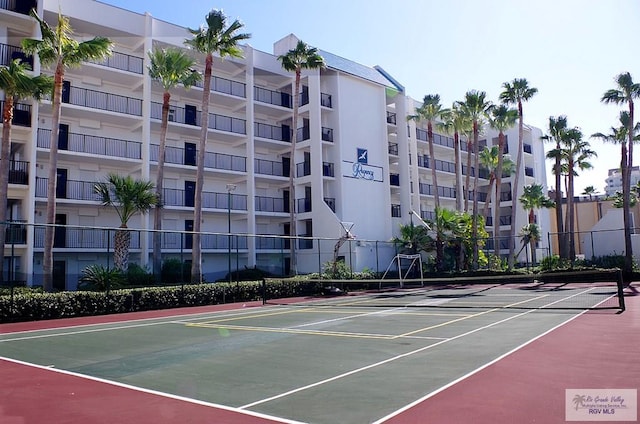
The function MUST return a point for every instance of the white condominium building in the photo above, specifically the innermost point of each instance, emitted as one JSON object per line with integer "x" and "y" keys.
{"x": 358, "y": 160}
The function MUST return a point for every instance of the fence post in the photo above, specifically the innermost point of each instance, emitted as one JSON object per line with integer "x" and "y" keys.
{"x": 319, "y": 258}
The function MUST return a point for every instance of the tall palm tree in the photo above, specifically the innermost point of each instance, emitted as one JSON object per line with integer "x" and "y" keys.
{"x": 625, "y": 92}
{"x": 128, "y": 197}
{"x": 295, "y": 60}
{"x": 58, "y": 49}
{"x": 454, "y": 122}
{"x": 589, "y": 191}
{"x": 514, "y": 93}
{"x": 502, "y": 118}
{"x": 430, "y": 111}
{"x": 576, "y": 152}
{"x": 170, "y": 67}
{"x": 215, "y": 37}
{"x": 533, "y": 198}
{"x": 16, "y": 84}
{"x": 557, "y": 127}
{"x": 476, "y": 108}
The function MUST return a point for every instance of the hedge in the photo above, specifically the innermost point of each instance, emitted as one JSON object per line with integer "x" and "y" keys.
{"x": 30, "y": 306}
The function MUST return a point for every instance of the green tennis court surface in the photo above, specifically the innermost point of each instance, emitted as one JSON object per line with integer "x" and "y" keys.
{"x": 313, "y": 363}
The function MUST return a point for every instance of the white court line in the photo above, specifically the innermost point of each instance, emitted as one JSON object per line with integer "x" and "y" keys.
{"x": 395, "y": 358}
{"x": 153, "y": 392}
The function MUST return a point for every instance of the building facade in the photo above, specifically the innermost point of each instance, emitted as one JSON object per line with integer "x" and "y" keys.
{"x": 359, "y": 163}
{"x": 614, "y": 180}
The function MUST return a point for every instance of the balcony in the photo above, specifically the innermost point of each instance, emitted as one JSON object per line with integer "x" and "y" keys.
{"x": 391, "y": 118}
{"x": 303, "y": 169}
{"x": 83, "y": 238}
{"x": 270, "y": 243}
{"x": 219, "y": 161}
{"x": 429, "y": 190}
{"x": 93, "y": 145}
{"x": 15, "y": 233}
{"x": 210, "y": 200}
{"x": 102, "y": 101}
{"x": 325, "y": 100}
{"x": 191, "y": 116}
{"x": 396, "y": 211}
{"x": 303, "y": 205}
{"x": 528, "y": 171}
{"x": 331, "y": 202}
{"x": 270, "y": 204}
{"x": 184, "y": 241}
{"x": 122, "y": 62}
{"x": 328, "y": 169}
{"x": 303, "y": 134}
{"x": 21, "y": 114}
{"x": 393, "y": 149}
{"x": 327, "y": 134}
{"x": 394, "y": 180}
{"x": 268, "y": 167}
{"x": 71, "y": 190}
{"x": 19, "y": 6}
{"x": 18, "y": 172}
{"x": 272, "y": 132}
{"x": 527, "y": 148}
{"x": 225, "y": 86}
{"x": 9, "y": 53}
{"x": 277, "y": 98}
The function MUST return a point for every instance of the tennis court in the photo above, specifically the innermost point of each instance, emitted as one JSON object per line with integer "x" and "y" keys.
{"x": 320, "y": 360}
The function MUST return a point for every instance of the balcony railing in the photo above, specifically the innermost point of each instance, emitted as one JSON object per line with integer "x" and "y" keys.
{"x": 393, "y": 149}
{"x": 210, "y": 200}
{"x": 103, "y": 101}
{"x": 19, "y": 6}
{"x": 327, "y": 134}
{"x": 191, "y": 116}
{"x": 9, "y": 53}
{"x": 303, "y": 169}
{"x": 394, "y": 179}
{"x": 184, "y": 241}
{"x": 328, "y": 169}
{"x": 391, "y": 118}
{"x": 21, "y": 114}
{"x": 212, "y": 160}
{"x": 325, "y": 100}
{"x": 83, "y": 238}
{"x": 270, "y": 204}
{"x": 528, "y": 171}
{"x": 226, "y": 86}
{"x": 443, "y": 191}
{"x": 272, "y": 132}
{"x": 94, "y": 145}
{"x": 331, "y": 202}
{"x": 277, "y": 98}
{"x": 396, "y": 211}
{"x": 527, "y": 148}
{"x": 123, "y": 62}
{"x": 15, "y": 233}
{"x": 73, "y": 190}
{"x": 303, "y": 205}
{"x": 269, "y": 167}
{"x": 18, "y": 172}
{"x": 303, "y": 134}
{"x": 270, "y": 243}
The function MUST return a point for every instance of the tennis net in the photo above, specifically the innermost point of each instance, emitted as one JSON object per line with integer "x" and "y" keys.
{"x": 571, "y": 290}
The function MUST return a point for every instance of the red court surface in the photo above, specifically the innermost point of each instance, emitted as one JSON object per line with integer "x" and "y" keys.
{"x": 596, "y": 350}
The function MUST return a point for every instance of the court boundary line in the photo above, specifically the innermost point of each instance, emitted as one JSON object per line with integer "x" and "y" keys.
{"x": 153, "y": 392}
{"x": 397, "y": 357}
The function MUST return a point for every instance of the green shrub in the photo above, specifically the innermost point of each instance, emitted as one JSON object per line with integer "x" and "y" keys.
{"x": 98, "y": 277}
{"x": 174, "y": 271}
{"x": 139, "y": 276}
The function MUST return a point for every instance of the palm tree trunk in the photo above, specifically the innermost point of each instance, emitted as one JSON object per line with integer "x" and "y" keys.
{"x": 562, "y": 239}
{"x": 533, "y": 241}
{"x": 47, "y": 260}
{"x": 293, "y": 263}
{"x": 496, "y": 206}
{"x": 196, "y": 252}
{"x": 626, "y": 202}
{"x": 514, "y": 189}
{"x": 485, "y": 209}
{"x": 458, "y": 165}
{"x": 467, "y": 181}
{"x": 5, "y": 153}
{"x": 571, "y": 213}
{"x": 476, "y": 179}
{"x": 157, "y": 217}
{"x": 121, "y": 243}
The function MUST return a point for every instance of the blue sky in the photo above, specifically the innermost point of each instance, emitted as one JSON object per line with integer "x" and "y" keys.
{"x": 569, "y": 49}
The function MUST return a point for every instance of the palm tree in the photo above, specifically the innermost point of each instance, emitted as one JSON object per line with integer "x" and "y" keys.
{"x": 530, "y": 234}
{"x": 430, "y": 111}
{"x": 170, "y": 67}
{"x": 16, "y": 84}
{"x": 589, "y": 191}
{"x": 533, "y": 198}
{"x": 625, "y": 92}
{"x": 515, "y": 93}
{"x": 215, "y": 37}
{"x": 454, "y": 122}
{"x": 128, "y": 197}
{"x": 476, "y": 108}
{"x": 295, "y": 60}
{"x": 557, "y": 127}
{"x": 502, "y": 118}
{"x": 57, "y": 48}
{"x": 576, "y": 153}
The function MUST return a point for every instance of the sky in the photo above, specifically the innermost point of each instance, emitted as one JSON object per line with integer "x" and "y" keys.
{"x": 570, "y": 50}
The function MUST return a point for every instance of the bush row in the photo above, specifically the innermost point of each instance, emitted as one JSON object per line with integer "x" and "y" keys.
{"x": 29, "y": 306}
